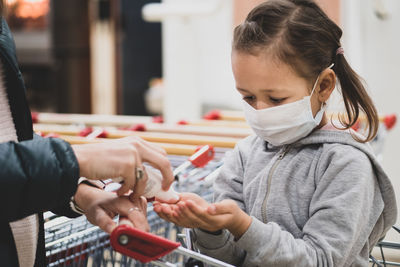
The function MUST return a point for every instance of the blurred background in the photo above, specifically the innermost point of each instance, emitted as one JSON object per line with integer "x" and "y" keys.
{"x": 140, "y": 57}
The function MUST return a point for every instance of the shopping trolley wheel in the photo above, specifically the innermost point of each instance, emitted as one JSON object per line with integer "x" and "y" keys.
{"x": 140, "y": 245}
{"x": 194, "y": 263}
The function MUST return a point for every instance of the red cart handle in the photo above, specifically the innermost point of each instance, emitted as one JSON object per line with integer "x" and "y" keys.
{"x": 202, "y": 156}
{"x": 140, "y": 245}
{"x": 199, "y": 159}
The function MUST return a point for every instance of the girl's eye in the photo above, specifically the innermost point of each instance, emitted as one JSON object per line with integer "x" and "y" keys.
{"x": 249, "y": 98}
{"x": 276, "y": 100}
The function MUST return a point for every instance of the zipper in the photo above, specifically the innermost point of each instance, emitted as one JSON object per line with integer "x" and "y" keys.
{"x": 269, "y": 181}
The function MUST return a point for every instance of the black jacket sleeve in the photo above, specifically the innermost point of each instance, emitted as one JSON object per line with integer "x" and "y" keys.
{"x": 35, "y": 176}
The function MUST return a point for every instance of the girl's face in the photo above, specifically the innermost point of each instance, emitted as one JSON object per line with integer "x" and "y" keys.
{"x": 264, "y": 82}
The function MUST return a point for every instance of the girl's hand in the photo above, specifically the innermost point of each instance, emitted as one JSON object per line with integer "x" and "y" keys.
{"x": 101, "y": 207}
{"x": 166, "y": 210}
{"x": 194, "y": 212}
{"x": 120, "y": 158}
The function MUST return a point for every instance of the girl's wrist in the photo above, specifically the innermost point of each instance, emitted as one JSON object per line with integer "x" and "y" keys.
{"x": 239, "y": 226}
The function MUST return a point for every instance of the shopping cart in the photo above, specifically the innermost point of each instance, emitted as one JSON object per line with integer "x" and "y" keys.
{"x": 386, "y": 245}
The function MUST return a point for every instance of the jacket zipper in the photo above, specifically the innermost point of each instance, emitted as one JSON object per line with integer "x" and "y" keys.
{"x": 269, "y": 180}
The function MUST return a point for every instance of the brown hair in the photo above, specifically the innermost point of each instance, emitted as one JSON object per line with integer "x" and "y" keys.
{"x": 300, "y": 34}
{"x": 1, "y": 7}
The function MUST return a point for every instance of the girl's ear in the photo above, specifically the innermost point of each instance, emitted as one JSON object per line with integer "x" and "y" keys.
{"x": 327, "y": 83}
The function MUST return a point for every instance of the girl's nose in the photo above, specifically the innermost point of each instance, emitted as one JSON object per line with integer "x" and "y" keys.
{"x": 260, "y": 105}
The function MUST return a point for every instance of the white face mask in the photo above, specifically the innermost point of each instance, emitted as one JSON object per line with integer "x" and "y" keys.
{"x": 285, "y": 124}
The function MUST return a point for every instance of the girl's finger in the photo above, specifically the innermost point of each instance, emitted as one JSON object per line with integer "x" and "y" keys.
{"x": 162, "y": 215}
{"x": 222, "y": 207}
{"x": 157, "y": 209}
{"x": 168, "y": 212}
{"x": 192, "y": 219}
{"x": 166, "y": 209}
{"x": 175, "y": 209}
{"x": 200, "y": 212}
{"x": 167, "y": 218}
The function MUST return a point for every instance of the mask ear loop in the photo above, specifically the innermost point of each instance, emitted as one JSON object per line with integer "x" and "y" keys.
{"x": 315, "y": 84}
{"x": 324, "y": 103}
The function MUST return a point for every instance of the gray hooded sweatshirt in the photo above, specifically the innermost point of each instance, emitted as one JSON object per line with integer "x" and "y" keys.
{"x": 322, "y": 201}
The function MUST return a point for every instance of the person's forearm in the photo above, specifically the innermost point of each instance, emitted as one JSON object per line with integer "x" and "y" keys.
{"x": 36, "y": 175}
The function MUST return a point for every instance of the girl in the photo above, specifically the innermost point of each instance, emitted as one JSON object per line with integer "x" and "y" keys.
{"x": 301, "y": 192}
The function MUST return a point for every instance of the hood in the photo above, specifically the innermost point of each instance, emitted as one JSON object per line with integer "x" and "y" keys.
{"x": 346, "y": 137}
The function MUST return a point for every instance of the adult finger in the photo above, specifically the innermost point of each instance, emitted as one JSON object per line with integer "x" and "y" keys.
{"x": 157, "y": 160}
{"x": 129, "y": 173}
{"x": 154, "y": 147}
{"x": 104, "y": 221}
{"x": 136, "y": 210}
{"x": 141, "y": 182}
{"x": 143, "y": 204}
{"x": 125, "y": 220}
{"x": 138, "y": 218}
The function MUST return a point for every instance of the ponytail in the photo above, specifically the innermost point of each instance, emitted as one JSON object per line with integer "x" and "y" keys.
{"x": 355, "y": 98}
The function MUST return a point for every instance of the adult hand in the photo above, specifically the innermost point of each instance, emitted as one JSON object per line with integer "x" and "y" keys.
{"x": 121, "y": 158}
{"x": 194, "y": 212}
{"x": 101, "y": 207}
